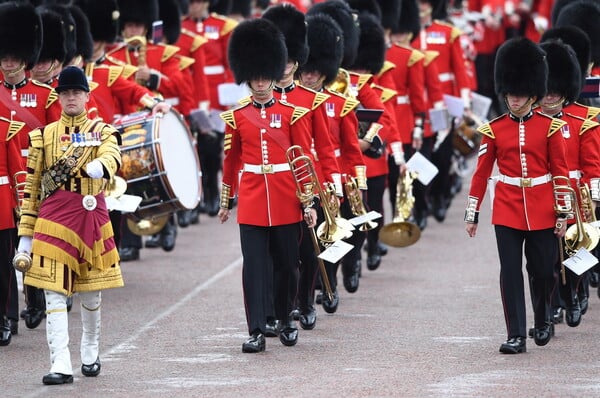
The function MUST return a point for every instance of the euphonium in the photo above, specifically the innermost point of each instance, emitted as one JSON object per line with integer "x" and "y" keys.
{"x": 400, "y": 232}
{"x": 581, "y": 234}
{"x": 19, "y": 191}
{"x": 356, "y": 203}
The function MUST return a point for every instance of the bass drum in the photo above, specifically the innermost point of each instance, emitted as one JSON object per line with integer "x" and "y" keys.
{"x": 159, "y": 163}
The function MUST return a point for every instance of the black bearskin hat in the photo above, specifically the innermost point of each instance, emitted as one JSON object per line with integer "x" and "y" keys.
{"x": 221, "y": 7}
{"x": 83, "y": 37}
{"x": 586, "y": 16}
{"x": 69, "y": 27}
{"x": 170, "y": 15}
{"x": 291, "y": 23}
{"x": 326, "y": 46}
{"x": 138, "y": 11}
{"x": 20, "y": 32}
{"x": 409, "y": 18}
{"x": 439, "y": 9}
{"x": 390, "y": 13}
{"x": 577, "y": 40}
{"x": 103, "y": 17}
{"x": 184, "y": 6}
{"x": 370, "y": 6}
{"x": 53, "y": 37}
{"x": 257, "y": 50}
{"x": 564, "y": 76}
{"x": 520, "y": 69}
{"x": 342, "y": 14}
{"x": 372, "y": 47}
{"x": 557, "y": 8}
{"x": 241, "y": 7}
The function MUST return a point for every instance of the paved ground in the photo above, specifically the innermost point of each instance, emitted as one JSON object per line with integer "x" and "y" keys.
{"x": 427, "y": 323}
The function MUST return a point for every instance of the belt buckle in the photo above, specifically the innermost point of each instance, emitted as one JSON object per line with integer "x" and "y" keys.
{"x": 525, "y": 182}
{"x": 89, "y": 202}
{"x": 266, "y": 169}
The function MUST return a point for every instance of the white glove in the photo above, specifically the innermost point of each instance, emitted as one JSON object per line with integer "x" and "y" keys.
{"x": 541, "y": 23}
{"x": 25, "y": 244}
{"x": 94, "y": 169}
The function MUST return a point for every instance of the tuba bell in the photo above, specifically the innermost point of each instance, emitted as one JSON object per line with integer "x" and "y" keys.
{"x": 400, "y": 232}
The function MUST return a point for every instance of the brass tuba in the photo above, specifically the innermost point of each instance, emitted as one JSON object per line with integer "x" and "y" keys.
{"x": 581, "y": 234}
{"x": 356, "y": 203}
{"x": 400, "y": 232}
{"x": 19, "y": 191}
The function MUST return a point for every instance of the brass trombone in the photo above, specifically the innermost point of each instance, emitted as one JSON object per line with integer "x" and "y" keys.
{"x": 356, "y": 203}
{"x": 400, "y": 232}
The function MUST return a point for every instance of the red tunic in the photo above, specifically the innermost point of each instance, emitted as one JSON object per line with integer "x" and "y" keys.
{"x": 217, "y": 29}
{"x": 10, "y": 163}
{"x": 435, "y": 96}
{"x": 192, "y": 45}
{"x": 326, "y": 164}
{"x": 379, "y": 166}
{"x": 250, "y": 141}
{"x": 543, "y": 152}
{"x": 38, "y": 100}
{"x": 409, "y": 82}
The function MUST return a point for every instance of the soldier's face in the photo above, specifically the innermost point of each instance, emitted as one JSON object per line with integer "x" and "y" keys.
{"x": 198, "y": 8}
{"x": 313, "y": 80}
{"x": 73, "y": 101}
{"x": 9, "y": 64}
{"x": 44, "y": 71}
{"x": 552, "y": 103}
{"x": 519, "y": 104}
{"x": 134, "y": 29}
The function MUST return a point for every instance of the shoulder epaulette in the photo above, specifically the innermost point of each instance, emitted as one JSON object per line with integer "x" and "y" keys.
{"x": 588, "y": 124}
{"x": 349, "y": 106}
{"x": 113, "y": 74}
{"x": 415, "y": 56}
{"x": 185, "y": 62}
{"x": 363, "y": 78}
{"x": 386, "y": 93}
{"x": 455, "y": 33}
{"x": 319, "y": 99}
{"x": 593, "y": 112}
{"x": 229, "y": 24}
{"x": 298, "y": 113}
{"x": 13, "y": 128}
{"x": 93, "y": 85}
{"x": 486, "y": 129}
{"x": 168, "y": 52}
{"x": 430, "y": 55}
{"x": 555, "y": 125}
{"x": 129, "y": 70}
{"x": 197, "y": 40}
{"x": 38, "y": 83}
{"x": 387, "y": 65}
{"x": 228, "y": 118}
{"x": 52, "y": 95}
{"x": 245, "y": 101}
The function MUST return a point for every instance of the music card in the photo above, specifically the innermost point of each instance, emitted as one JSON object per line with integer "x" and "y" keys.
{"x": 581, "y": 261}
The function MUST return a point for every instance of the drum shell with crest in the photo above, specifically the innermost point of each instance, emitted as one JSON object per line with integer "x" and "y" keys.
{"x": 159, "y": 162}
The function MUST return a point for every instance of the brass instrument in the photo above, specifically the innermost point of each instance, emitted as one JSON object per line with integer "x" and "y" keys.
{"x": 19, "y": 191}
{"x": 116, "y": 187}
{"x": 400, "y": 232}
{"x": 356, "y": 203}
{"x": 581, "y": 234}
{"x": 341, "y": 84}
{"x": 147, "y": 226}
{"x": 140, "y": 43}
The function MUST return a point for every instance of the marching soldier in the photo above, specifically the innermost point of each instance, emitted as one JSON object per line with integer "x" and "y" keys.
{"x": 291, "y": 23}
{"x": 54, "y": 52}
{"x": 257, "y": 138}
{"x": 530, "y": 152}
{"x": 25, "y": 100}
{"x": 64, "y": 213}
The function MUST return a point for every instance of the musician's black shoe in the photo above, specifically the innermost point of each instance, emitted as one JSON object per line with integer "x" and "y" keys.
{"x": 420, "y": 219}
{"x": 272, "y": 328}
{"x": 195, "y": 216}
{"x": 558, "y": 315}
{"x": 289, "y": 334}
{"x": 295, "y": 314}
{"x": 213, "y": 207}
{"x": 382, "y": 249}
{"x": 573, "y": 314}
{"x": 129, "y": 253}
{"x": 184, "y": 218}
{"x": 92, "y": 370}
{"x": 542, "y": 335}
{"x": 593, "y": 279}
{"x": 351, "y": 279}
{"x": 373, "y": 261}
{"x": 440, "y": 208}
{"x": 330, "y": 306}
{"x": 5, "y": 333}
{"x": 69, "y": 303}
{"x": 514, "y": 345}
{"x": 154, "y": 241}
{"x": 308, "y": 318}
{"x": 256, "y": 343}
{"x": 583, "y": 304}
{"x": 168, "y": 237}
{"x": 14, "y": 326}
{"x": 57, "y": 378}
{"x": 34, "y": 317}
{"x": 319, "y": 298}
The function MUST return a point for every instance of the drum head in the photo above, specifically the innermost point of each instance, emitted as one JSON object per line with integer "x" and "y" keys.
{"x": 179, "y": 159}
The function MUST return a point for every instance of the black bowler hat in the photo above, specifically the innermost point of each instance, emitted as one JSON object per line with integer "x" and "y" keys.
{"x": 72, "y": 78}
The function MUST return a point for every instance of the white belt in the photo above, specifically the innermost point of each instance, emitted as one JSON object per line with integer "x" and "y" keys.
{"x": 525, "y": 182}
{"x": 214, "y": 70}
{"x": 402, "y": 100}
{"x": 337, "y": 152}
{"x": 446, "y": 77}
{"x": 173, "y": 101}
{"x": 24, "y": 152}
{"x": 575, "y": 174}
{"x": 4, "y": 180}
{"x": 266, "y": 168}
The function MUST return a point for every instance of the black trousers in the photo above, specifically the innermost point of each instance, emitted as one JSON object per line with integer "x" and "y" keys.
{"x": 210, "y": 147}
{"x": 308, "y": 266}
{"x": 261, "y": 248}
{"x": 9, "y": 299}
{"x": 541, "y": 254}
{"x": 442, "y": 158}
{"x": 374, "y": 202}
